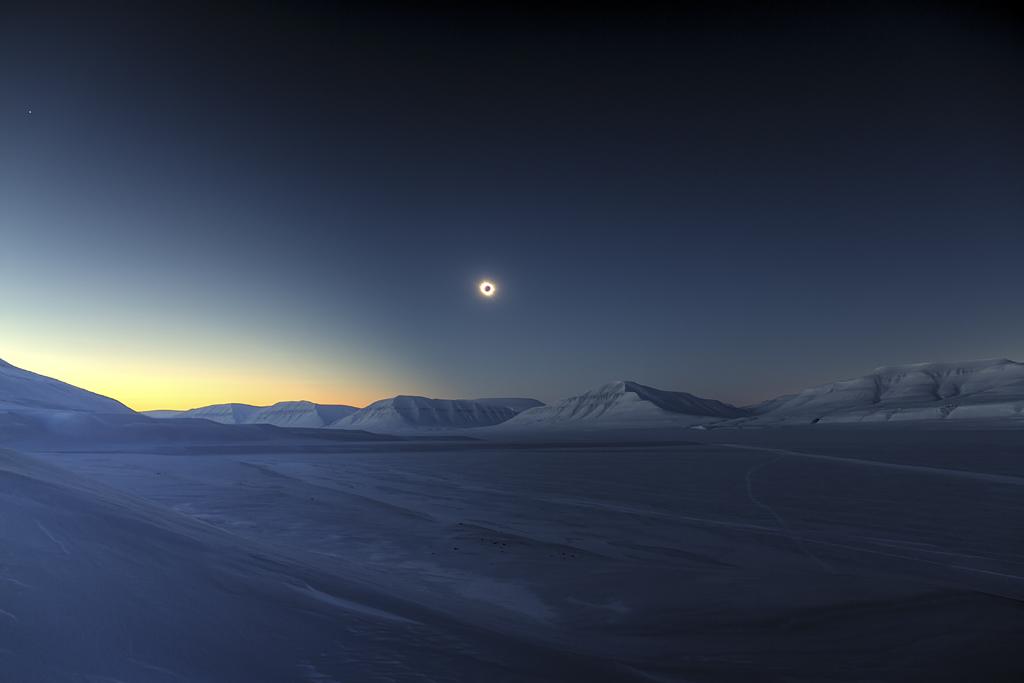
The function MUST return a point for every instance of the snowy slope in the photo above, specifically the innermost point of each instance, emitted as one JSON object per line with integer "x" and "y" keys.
{"x": 417, "y": 414}
{"x": 625, "y": 404}
{"x": 924, "y": 391}
{"x": 283, "y": 414}
{"x": 516, "y": 404}
{"x": 21, "y": 391}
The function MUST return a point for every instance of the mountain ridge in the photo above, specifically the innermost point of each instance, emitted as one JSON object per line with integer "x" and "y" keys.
{"x": 24, "y": 390}
{"x": 420, "y": 414}
{"x": 974, "y": 389}
{"x": 282, "y": 414}
{"x": 992, "y": 387}
{"x": 625, "y": 402}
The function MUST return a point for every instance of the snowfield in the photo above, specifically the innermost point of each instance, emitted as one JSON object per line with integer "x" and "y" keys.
{"x": 98, "y": 585}
{"x": 769, "y": 555}
{"x": 602, "y": 538}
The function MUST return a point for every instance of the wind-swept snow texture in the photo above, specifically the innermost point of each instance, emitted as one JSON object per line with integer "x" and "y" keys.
{"x": 283, "y": 414}
{"x": 923, "y": 391}
{"x": 767, "y": 555}
{"x": 99, "y": 586}
{"x": 21, "y": 391}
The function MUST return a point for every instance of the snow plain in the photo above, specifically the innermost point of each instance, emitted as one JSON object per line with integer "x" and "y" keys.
{"x": 858, "y": 554}
{"x": 619, "y": 546}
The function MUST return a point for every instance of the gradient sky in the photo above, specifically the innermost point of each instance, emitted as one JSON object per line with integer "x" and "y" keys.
{"x": 297, "y": 203}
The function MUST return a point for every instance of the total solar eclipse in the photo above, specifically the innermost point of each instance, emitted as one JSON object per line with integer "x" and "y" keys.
{"x": 487, "y": 288}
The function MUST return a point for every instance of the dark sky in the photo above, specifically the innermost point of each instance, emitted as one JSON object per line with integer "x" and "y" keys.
{"x": 300, "y": 198}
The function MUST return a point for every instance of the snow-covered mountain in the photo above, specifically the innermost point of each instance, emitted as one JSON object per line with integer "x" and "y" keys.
{"x": 24, "y": 391}
{"x": 991, "y": 388}
{"x": 624, "y": 404}
{"x": 418, "y": 414}
{"x": 283, "y": 414}
{"x": 984, "y": 389}
{"x": 516, "y": 404}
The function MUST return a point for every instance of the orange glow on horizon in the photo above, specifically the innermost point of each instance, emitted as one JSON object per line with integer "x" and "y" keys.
{"x": 142, "y": 386}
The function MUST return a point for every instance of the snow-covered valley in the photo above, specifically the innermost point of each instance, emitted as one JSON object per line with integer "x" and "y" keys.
{"x": 142, "y": 550}
{"x": 743, "y": 559}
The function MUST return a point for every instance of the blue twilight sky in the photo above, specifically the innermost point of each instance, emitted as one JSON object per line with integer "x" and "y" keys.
{"x": 271, "y": 204}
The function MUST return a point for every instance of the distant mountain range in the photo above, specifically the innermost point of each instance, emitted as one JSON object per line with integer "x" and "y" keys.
{"x": 923, "y": 391}
{"x": 984, "y": 389}
{"x": 415, "y": 414}
{"x": 398, "y": 415}
{"x": 283, "y": 414}
{"x": 626, "y": 404}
